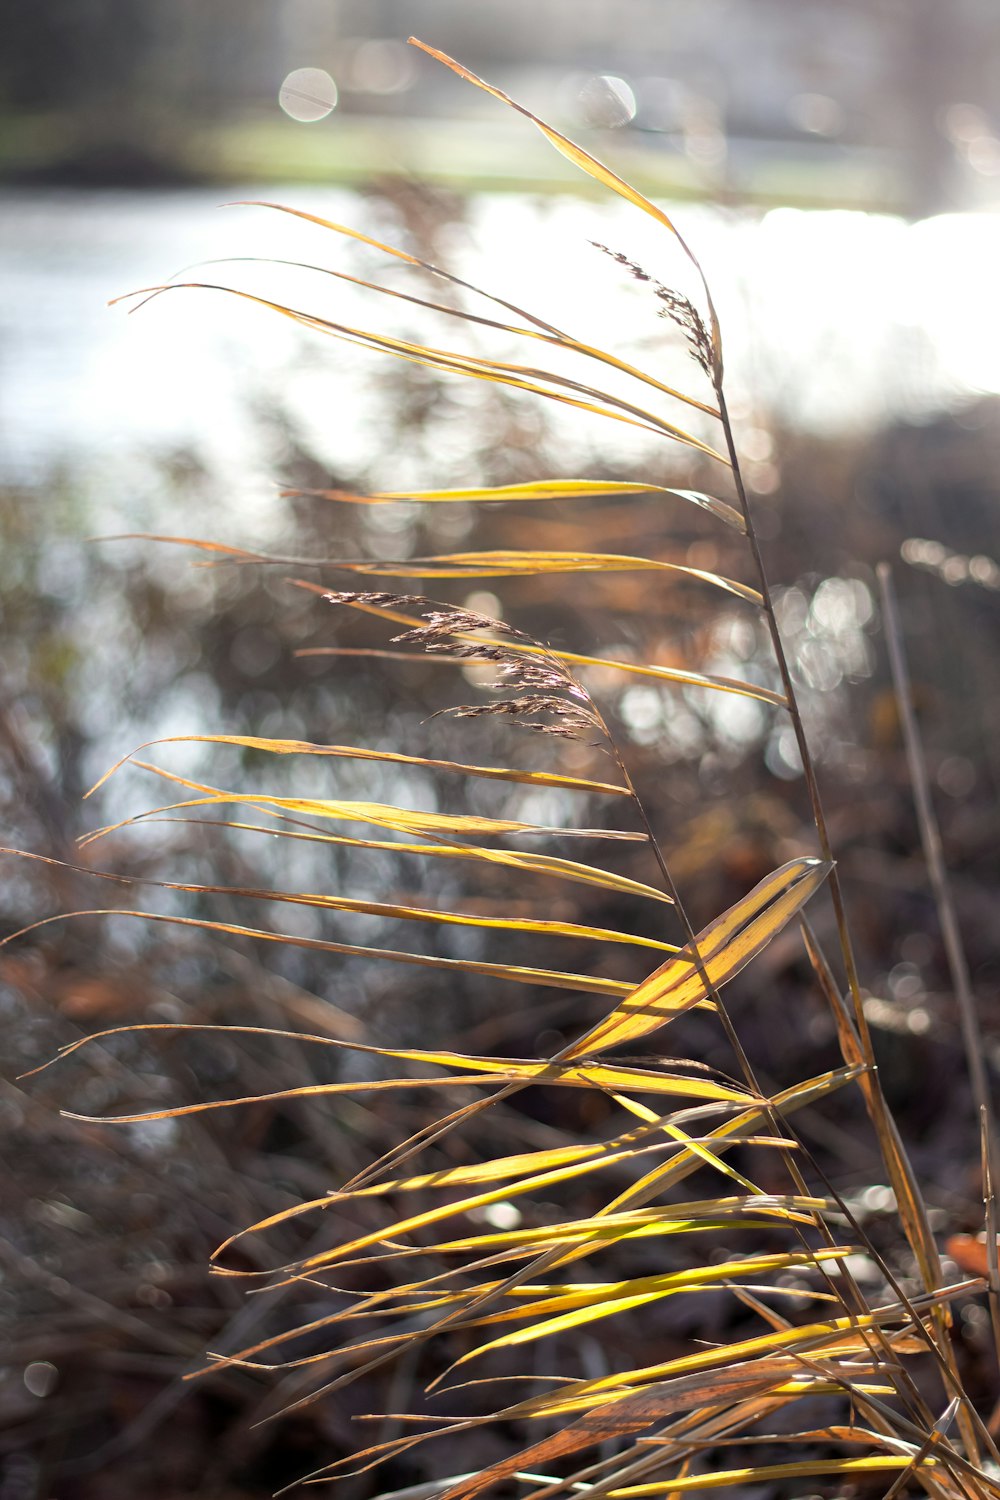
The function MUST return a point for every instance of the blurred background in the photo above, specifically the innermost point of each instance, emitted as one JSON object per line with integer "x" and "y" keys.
{"x": 837, "y": 169}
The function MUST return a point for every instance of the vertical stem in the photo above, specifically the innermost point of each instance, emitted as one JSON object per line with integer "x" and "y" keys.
{"x": 930, "y": 838}
{"x": 913, "y": 1213}
{"x": 808, "y": 768}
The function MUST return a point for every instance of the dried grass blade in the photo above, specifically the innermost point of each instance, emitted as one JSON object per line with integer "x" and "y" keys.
{"x": 689, "y": 1158}
{"x": 537, "y": 490}
{"x": 584, "y": 1305}
{"x": 378, "y": 814}
{"x": 492, "y": 1072}
{"x": 909, "y": 1199}
{"x": 502, "y": 563}
{"x": 724, "y": 948}
{"x": 593, "y": 168}
{"x": 650, "y": 1223}
{"x": 321, "y": 901}
{"x": 516, "y": 973}
{"x": 628, "y": 1414}
{"x": 356, "y": 752}
{"x": 515, "y": 859}
{"x": 538, "y": 382}
{"x": 535, "y": 1182}
{"x": 756, "y": 1474}
{"x": 547, "y": 330}
{"x": 558, "y": 341}
{"x": 679, "y": 676}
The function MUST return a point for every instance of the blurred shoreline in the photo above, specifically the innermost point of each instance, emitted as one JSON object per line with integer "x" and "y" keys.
{"x": 47, "y": 150}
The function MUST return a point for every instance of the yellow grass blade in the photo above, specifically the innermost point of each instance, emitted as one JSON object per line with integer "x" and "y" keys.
{"x": 677, "y": 675}
{"x": 607, "y": 1300}
{"x": 516, "y": 973}
{"x": 724, "y": 947}
{"x": 503, "y": 563}
{"x": 394, "y": 910}
{"x": 540, "y": 329}
{"x": 378, "y": 814}
{"x": 680, "y": 676}
{"x": 537, "y": 382}
{"x": 575, "y": 1241}
{"x": 568, "y": 148}
{"x": 651, "y": 1223}
{"x": 690, "y": 1157}
{"x": 677, "y": 1134}
{"x": 515, "y": 859}
{"x": 356, "y": 752}
{"x": 539, "y": 489}
{"x": 757, "y": 1211}
{"x": 593, "y": 168}
{"x": 762, "y": 1473}
{"x": 538, "y": 1181}
{"x": 512, "y": 1072}
{"x": 346, "y": 903}
{"x": 842, "y": 1336}
{"x": 535, "y": 1182}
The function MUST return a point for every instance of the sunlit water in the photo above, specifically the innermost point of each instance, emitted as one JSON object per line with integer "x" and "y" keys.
{"x": 832, "y": 320}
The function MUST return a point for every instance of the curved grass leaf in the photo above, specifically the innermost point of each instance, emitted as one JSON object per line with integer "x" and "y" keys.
{"x": 356, "y": 752}
{"x": 579, "y": 1306}
{"x": 498, "y": 563}
{"x": 409, "y": 1224}
{"x": 546, "y": 383}
{"x": 505, "y": 563}
{"x": 378, "y": 814}
{"x": 493, "y": 1072}
{"x": 761, "y": 1211}
{"x": 757, "y": 1474}
{"x": 516, "y": 973}
{"x": 754, "y": 1212}
{"x": 690, "y": 1157}
{"x": 596, "y": 170}
{"x": 720, "y": 951}
{"x": 676, "y": 675}
{"x": 555, "y": 340}
{"x": 515, "y": 859}
{"x": 539, "y": 489}
{"x": 546, "y": 330}
{"x": 389, "y": 909}
{"x": 570, "y": 1306}
{"x": 552, "y": 1071}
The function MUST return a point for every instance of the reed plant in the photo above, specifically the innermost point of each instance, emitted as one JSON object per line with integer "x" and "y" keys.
{"x": 454, "y": 1260}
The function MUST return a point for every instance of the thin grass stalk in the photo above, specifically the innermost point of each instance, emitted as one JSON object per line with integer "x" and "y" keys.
{"x": 801, "y": 739}
{"x": 992, "y": 1219}
{"x": 918, "y": 1234}
{"x": 958, "y": 967}
{"x": 930, "y": 839}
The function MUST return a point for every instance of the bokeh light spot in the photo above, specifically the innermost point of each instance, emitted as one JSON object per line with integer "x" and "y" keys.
{"x": 41, "y": 1377}
{"x": 382, "y": 66}
{"x": 607, "y": 101}
{"x": 308, "y": 94}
